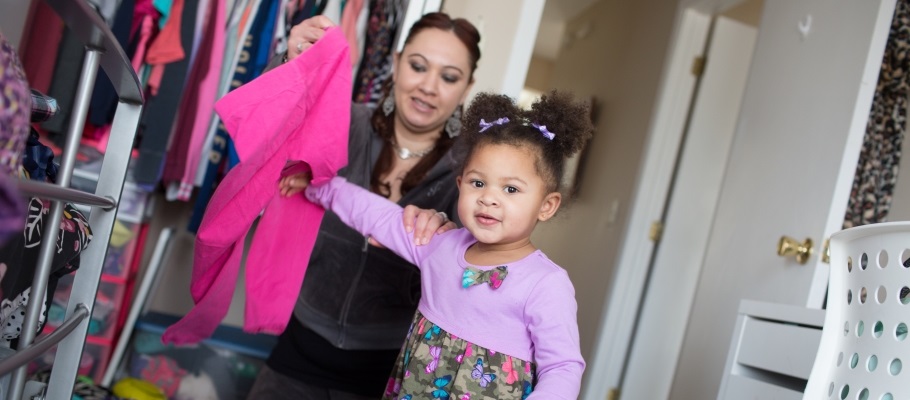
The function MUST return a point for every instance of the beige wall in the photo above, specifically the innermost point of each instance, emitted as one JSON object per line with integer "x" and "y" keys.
{"x": 619, "y": 62}
{"x": 507, "y": 31}
{"x": 540, "y": 73}
{"x": 747, "y": 12}
{"x": 173, "y": 293}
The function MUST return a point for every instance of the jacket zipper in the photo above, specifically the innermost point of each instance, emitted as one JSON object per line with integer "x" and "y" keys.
{"x": 350, "y": 296}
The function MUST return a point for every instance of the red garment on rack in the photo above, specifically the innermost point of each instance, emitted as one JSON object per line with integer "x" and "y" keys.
{"x": 298, "y": 111}
{"x": 166, "y": 47}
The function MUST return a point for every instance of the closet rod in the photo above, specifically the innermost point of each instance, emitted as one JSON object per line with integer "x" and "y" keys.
{"x": 49, "y": 191}
{"x": 88, "y": 26}
{"x": 44, "y": 344}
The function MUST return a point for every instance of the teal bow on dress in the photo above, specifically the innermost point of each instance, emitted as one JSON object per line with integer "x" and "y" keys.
{"x": 473, "y": 276}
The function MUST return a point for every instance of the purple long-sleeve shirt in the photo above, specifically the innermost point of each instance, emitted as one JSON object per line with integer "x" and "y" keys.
{"x": 532, "y": 316}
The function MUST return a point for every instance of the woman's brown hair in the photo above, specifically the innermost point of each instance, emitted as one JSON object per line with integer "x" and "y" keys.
{"x": 385, "y": 124}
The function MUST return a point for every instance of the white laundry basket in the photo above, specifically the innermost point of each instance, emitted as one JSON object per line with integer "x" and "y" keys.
{"x": 865, "y": 352}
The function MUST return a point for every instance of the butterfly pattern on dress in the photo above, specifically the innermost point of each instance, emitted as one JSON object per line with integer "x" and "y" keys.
{"x": 440, "y": 392}
{"x": 478, "y": 375}
{"x": 434, "y": 352}
{"x": 511, "y": 373}
{"x": 434, "y": 364}
{"x": 433, "y": 331}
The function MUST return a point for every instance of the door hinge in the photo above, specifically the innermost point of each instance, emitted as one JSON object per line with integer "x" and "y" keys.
{"x": 613, "y": 394}
{"x": 657, "y": 229}
{"x": 698, "y": 65}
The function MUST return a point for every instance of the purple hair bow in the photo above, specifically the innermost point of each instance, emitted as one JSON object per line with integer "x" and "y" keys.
{"x": 484, "y": 125}
{"x": 543, "y": 129}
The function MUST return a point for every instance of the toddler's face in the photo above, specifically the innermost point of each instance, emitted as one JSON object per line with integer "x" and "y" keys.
{"x": 502, "y": 197}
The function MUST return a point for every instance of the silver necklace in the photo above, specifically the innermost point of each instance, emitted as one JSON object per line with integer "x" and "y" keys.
{"x": 405, "y": 153}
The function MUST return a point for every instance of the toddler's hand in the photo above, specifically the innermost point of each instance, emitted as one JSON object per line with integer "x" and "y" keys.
{"x": 293, "y": 184}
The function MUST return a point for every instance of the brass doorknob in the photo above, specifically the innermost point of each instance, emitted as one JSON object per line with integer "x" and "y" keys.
{"x": 788, "y": 246}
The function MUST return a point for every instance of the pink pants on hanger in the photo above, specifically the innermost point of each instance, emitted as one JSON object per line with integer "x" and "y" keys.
{"x": 298, "y": 111}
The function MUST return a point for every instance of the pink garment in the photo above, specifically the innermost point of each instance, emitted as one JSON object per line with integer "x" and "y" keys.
{"x": 145, "y": 33}
{"x": 349, "y": 25}
{"x": 298, "y": 111}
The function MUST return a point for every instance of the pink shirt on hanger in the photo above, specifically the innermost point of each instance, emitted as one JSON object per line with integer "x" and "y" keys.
{"x": 298, "y": 111}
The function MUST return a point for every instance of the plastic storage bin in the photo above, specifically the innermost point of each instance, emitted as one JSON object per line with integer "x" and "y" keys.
{"x": 864, "y": 352}
{"x": 95, "y": 356}
{"x": 224, "y": 365}
{"x": 103, "y": 321}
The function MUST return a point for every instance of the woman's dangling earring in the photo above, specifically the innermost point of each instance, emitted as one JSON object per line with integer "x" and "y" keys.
{"x": 453, "y": 124}
{"x": 388, "y": 104}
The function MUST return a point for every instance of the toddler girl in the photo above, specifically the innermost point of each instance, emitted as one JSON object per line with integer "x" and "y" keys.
{"x": 497, "y": 318}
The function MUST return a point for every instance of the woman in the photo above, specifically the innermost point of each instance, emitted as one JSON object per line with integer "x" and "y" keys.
{"x": 357, "y": 299}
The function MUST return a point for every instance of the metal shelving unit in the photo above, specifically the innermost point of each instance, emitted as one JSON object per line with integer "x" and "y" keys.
{"x": 101, "y": 50}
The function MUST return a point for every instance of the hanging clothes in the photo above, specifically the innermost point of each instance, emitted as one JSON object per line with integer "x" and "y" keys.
{"x": 349, "y": 24}
{"x": 298, "y": 111}
{"x": 376, "y": 65}
{"x": 159, "y": 114}
{"x": 169, "y": 44}
{"x": 186, "y": 149}
{"x": 70, "y": 54}
{"x": 237, "y": 28}
{"x": 251, "y": 63}
{"x": 19, "y": 256}
{"x": 879, "y": 159}
{"x": 39, "y": 54}
{"x": 104, "y": 97}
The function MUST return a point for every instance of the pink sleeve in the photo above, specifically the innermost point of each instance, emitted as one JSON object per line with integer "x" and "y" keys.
{"x": 551, "y": 315}
{"x": 368, "y": 213}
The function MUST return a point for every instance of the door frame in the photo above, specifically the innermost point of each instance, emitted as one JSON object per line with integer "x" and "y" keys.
{"x": 665, "y": 135}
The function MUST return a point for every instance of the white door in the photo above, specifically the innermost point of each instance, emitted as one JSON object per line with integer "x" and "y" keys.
{"x": 798, "y": 137}
{"x": 679, "y": 257}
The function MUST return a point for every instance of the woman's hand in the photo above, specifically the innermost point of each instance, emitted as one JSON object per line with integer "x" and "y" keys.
{"x": 425, "y": 223}
{"x": 306, "y": 33}
{"x": 293, "y": 184}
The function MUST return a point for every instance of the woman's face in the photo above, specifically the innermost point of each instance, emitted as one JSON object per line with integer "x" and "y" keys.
{"x": 432, "y": 77}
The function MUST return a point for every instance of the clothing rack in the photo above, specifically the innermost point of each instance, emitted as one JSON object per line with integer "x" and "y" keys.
{"x": 101, "y": 50}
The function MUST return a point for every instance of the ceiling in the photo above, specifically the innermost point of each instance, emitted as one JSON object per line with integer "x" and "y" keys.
{"x": 556, "y": 13}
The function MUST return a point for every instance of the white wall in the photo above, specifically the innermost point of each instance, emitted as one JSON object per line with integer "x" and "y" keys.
{"x": 507, "y": 32}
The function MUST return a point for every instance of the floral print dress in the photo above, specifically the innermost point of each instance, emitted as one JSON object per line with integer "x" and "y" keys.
{"x": 434, "y": 364}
